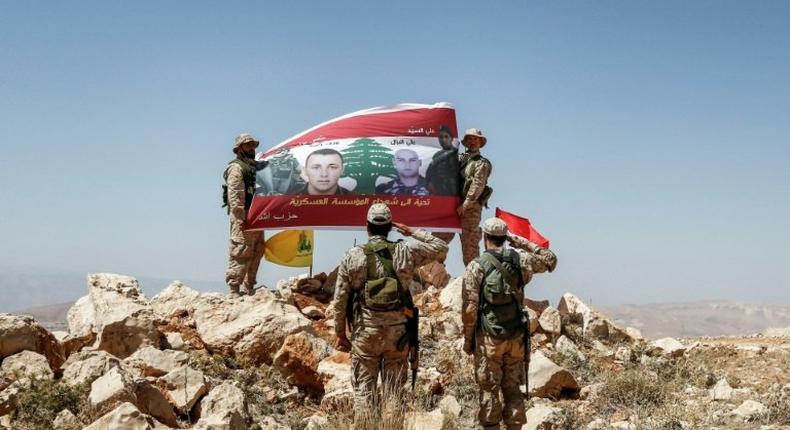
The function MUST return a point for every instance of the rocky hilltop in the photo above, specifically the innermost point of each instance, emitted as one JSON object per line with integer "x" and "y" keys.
{"x": 184, "y": 359}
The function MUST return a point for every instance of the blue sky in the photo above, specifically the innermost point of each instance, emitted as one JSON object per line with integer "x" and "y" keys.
{"x": 649, "y": 141}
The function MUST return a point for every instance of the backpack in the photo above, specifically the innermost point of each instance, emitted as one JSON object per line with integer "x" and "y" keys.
{"x": 500, "y": 314}
{"x": 385, "y": 293}
{"x": 470, "y": 163}
{"x": 248, "y": 173}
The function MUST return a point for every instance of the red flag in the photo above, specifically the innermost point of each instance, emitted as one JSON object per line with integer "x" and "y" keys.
{"x": 522, "y": 227}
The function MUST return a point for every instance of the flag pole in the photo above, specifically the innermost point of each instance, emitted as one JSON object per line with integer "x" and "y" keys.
{"x": 311, "y": 270}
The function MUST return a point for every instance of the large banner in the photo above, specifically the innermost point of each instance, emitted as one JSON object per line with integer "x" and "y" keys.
{"x": 326, "y": 177}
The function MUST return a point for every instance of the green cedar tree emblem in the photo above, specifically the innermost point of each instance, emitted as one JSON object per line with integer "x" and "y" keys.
{"x": 365, "y": 160}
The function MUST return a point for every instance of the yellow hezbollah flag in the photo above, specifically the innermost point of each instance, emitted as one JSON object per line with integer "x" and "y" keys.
{"x": 293, "y": 248}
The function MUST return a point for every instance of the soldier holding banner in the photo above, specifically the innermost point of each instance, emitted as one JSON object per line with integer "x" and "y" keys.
{"x": 475, "y": 192}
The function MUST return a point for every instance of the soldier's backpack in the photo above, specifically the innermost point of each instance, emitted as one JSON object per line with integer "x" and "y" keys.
{"x": 501, "y": 314}
{"x": 468, "y": 166}
{"x": 382, "y": 293}
{"x": 248, "y": 173}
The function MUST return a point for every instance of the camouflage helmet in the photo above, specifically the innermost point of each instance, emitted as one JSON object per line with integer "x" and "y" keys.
{"x": 495, "y": 227}
{"x": 475, "y": 132}
{"x": 379, "y": 214}
{"x": 244, "y": 138}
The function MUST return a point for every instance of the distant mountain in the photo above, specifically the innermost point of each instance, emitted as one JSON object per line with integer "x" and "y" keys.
{"x": 24, "y": 288}
{"x": 694, "y": 319}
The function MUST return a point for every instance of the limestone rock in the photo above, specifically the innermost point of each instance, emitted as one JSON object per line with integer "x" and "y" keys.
{"x": 251, "y": 328}
{"x": 434, "y": 274}
{"x": 85, "y": 367}
{"x": 113, "y": 387}
{"x": 534, "y": 323}
{"x": 541, "y": 418}
{"x": 450, "y": 296}
{"x": 313, "y": 312}
{"x": 176, "y": 341}
{"x": 27, "y": 364}
{"x": 22, "y": 333}
{"x": 450, "y": 406}
{"x": 8, "y": 396}
{"x": 223, "y": 408}
{"x": 174, "y": 297}
{"x": 81, "y": 318}
{"x": 298, "y": 359}
{"x": 316, "y": 422}
{"x": 550, "y": 321}
{"x": 594, "y": 325}
{"x": 549, "y": 380}
{"x": 184, "y": 387}
{"x": 537, "y": 306}
{"x": 667, "y": 346}
{"x": 153, "y": 402}
{"x": 624, "y": 354}
{"x": 125, "y": 417}
{"x": 567, "y": 347}
{"x": 722, "y": 390}
{"x": 424, "y": 420}
{"x": 65, "y": 420}
{"x": 749, "y": 409}
{"x": 150, "y": 361}
{"x": 335, "y": 372}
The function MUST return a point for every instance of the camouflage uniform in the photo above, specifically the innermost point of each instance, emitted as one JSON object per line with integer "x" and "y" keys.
{"x": 499, "y": 363}
{"x": 246, "y": 248}
{"x": 375, "y": 334}
{"x": 397, "y": 188}
{"x": 476, "y": 175}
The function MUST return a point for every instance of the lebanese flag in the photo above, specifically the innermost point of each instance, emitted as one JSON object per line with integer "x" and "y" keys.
{"x": 522, "y": 227}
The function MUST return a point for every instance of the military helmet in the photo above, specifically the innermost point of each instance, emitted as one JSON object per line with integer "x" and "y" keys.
{"x": 495, "y": 227}
{"x": 475, "y": 132}
{"x": 244, "y": 138}
{"x": 379, "y": 214}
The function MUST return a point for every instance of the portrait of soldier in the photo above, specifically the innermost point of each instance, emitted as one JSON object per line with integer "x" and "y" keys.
{"x": 408, "y": 182}
{"x": 281, "y": 175}
{"x": 442, "y": 175}
{"x": 321, "y": 172}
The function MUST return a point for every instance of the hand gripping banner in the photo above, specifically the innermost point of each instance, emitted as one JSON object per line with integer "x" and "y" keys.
{"x": 326, "y": 177}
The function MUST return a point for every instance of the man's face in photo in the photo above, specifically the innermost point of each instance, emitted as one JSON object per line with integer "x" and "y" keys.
{"x": 407, "y": 163}
{"x": 322, "y": 171}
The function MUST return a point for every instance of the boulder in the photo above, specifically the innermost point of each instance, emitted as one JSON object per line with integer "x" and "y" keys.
{"x": 65, "y": 420}
{"x": 174, "y": 297}
{"x": 117, "y": 312}
{"x": 8, "y": 396}
{"x": 112, "y": 388}
{"x": 549, "y": 380}
{"x": 125, "y": 417}
{"x": 316, "y": 422}
{"x": 251, "y": 328}
{"x": 534, "y": 323}
{"x": 668, "y": 347}
{"x": 624, "y": 354}
{"x": 313, "y": 312}
{"x": 433, "y": 274}
{"x": 285, "y": 288}
{"x": 149, "y": 361}
{"x": 81, "y": 319}
{"x": 537, "y": 306}
{"x": 450, "y": 296}
{"x": 335, "y": 372}
{"x": 184, "y": 387}
{"x": 298, "y": 359}
{"x": 85, "y": 367}
{"x": 749, "y": 410}
{"x": 22, "y": 333}
{"x": 542, "y": 418}
{"x": 550, "y": 321}
{"x": 26, "y": 365}
{"x": 176, "y": 342}
{"x": 594, "y": 325}
{"x": 150, "y": 400}
{"x": 424, "y": 420}
{"x": 223, "y": 408}
{"x": 722, "y": 390}
{"x": 566, "y": 346}
{"x": 450, "y": 406}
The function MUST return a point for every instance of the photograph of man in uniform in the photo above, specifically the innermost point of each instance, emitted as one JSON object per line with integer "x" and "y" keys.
{"x": 409, "y": 182}
{"x": 321, "y": 172}
{"x": 442, "y": 175}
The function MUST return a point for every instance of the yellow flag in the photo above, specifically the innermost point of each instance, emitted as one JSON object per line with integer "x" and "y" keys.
{"x": 293, "y": 248}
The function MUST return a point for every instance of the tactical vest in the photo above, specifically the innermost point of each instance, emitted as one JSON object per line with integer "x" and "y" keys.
{"x": 501, "y": 295}
{"x": 382, "y": 293}
{"x": 248, "y": 174}
{"x": 468, "y": 167}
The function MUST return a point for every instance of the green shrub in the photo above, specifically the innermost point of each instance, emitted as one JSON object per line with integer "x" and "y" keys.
{"x": 39, "y": 403}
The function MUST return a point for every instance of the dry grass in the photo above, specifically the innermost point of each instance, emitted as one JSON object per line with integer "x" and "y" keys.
{"x": 42, "y": 400}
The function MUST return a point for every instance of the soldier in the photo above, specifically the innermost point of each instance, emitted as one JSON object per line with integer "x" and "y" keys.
{"x": 246, "y": 247}
{"x": 372, "y": 296}
{"x": 475, "y": 192}
{"x": 409, "y": 182}
{"x": 442, "y": 174}
{"x": 496, "y": 328}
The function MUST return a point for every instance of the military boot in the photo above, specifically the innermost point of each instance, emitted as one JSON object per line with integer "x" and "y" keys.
{"x": 249, "y": 290}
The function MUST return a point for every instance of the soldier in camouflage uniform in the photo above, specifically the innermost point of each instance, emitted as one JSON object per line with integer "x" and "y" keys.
{"x": 442, "y": 174}
{"x": 475, "y": 192}
{"x": 500, "y": 355}
{"x": 246, "y": 247}
{"x": 377, "y": 336}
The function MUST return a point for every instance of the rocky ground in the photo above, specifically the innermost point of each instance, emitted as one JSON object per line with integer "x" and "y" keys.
{"x": 184, "y": 359}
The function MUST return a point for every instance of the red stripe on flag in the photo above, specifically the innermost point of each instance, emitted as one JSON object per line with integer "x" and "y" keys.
{"x": 522, "y": 227}
{"x": 417, "y": 122}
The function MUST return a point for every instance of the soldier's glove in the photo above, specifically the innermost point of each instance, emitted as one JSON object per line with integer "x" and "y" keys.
{"x": 469, "y": 346}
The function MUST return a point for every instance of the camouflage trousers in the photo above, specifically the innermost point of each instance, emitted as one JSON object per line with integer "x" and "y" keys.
{"x": 374, "y": 353}
{"x": 471, "y": 233}
{"x": 499, "y": 367}
{"x": 244, "y": 257}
